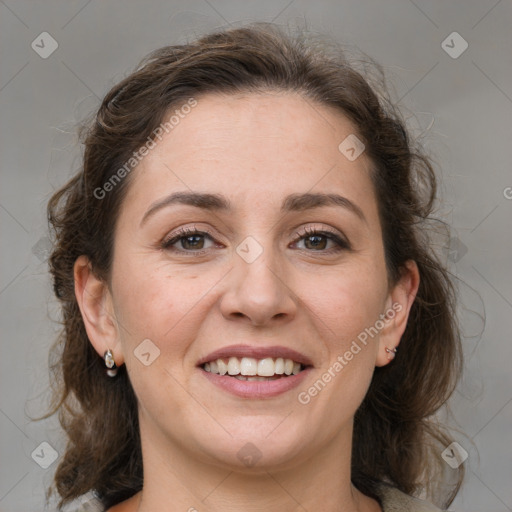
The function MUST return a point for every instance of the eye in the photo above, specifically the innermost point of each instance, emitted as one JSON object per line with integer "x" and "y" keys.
{"x": 313, "y": 240}
{"x": 190, "y": 239}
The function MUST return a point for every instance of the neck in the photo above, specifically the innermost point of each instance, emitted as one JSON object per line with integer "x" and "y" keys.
{"x": 176, "y": 481}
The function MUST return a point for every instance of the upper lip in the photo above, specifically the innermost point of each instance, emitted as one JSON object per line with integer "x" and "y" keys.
{"x": 256, "y": 352}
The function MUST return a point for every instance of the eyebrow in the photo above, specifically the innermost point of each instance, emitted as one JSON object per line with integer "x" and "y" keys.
{"x": 218, "y": 202}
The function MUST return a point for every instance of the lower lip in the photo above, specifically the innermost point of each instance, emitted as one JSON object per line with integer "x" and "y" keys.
{"x": 256, "y": 389}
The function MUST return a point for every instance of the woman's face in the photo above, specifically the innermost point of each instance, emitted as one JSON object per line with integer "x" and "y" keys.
{"x": 255, "y": 283}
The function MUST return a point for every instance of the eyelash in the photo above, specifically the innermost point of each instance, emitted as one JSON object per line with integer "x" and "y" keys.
{"x": 187, "y": 232}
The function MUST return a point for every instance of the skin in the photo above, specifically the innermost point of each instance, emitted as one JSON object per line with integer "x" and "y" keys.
{"x": 255, "y": 149}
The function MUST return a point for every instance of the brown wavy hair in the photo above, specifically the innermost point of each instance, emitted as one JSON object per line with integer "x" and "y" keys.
{"x": 396, "y": 437}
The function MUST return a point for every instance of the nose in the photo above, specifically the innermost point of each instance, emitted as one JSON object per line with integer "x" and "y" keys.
{"x": 259, "y": 291}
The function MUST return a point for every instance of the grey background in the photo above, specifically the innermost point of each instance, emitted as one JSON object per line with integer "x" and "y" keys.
{"x": 460, "y": 107}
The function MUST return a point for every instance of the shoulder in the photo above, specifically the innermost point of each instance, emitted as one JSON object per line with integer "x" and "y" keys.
{"x": 394, "y": 500}
{"x": 88, "y": 504}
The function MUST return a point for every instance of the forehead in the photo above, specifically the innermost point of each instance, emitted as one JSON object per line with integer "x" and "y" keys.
{"x": 244, "y": 123}
{"x": 254, "y": 147}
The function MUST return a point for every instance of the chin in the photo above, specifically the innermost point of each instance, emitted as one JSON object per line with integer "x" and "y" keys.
{"x": 258, "y": 445}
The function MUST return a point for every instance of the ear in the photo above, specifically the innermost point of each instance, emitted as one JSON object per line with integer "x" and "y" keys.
{"x": 398, "y": 306}
{"x": 95, "y": 303}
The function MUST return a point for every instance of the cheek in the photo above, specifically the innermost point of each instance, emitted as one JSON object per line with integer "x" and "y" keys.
{"x": 160, "y": 304}
{"x": 346, "y": 313}
{"x": 350, "y": 301}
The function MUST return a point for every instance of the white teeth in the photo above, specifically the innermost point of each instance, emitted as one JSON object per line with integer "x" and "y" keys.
{"x": 279, "y": 366}
{"x": 252, "y": 379}
{"x": 222, "y": 367}
{"x": 249, "y": 368}
{"x": 233, "y": 366}
{"x": 266, "y": 367}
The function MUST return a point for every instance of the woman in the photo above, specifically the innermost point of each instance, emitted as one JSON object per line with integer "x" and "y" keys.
{"x": 253, "y": 316}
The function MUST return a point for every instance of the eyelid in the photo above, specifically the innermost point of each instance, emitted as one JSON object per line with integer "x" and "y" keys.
{"x": 314, "y": 229}
{"x": 319, "y": 227}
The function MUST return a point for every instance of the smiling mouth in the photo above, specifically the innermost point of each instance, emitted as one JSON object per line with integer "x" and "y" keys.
{"x": 251, "y": 369}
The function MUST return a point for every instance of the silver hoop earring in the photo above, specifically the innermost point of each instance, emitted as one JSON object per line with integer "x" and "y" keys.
{"x": 110, "y": 363}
